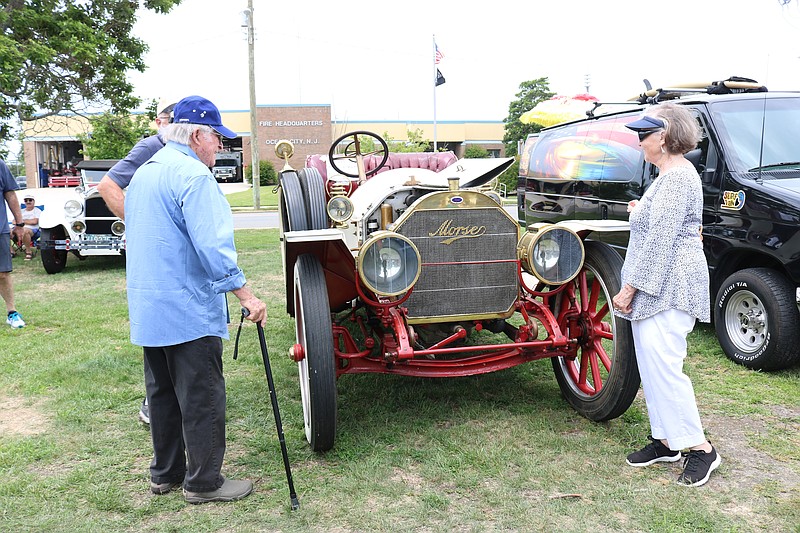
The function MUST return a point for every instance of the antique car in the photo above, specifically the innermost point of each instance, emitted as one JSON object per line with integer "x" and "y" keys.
{"x": 85, "y": 226}
{"x": 422, "y": 273}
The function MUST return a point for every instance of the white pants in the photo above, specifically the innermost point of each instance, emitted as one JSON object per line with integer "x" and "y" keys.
{"x": 660, "y": 343}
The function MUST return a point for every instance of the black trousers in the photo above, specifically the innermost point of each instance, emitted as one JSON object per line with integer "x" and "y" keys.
{"x": 186, "y": 393}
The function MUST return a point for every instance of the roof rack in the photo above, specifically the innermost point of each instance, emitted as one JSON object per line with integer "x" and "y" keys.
{"x": 733, "y": 85}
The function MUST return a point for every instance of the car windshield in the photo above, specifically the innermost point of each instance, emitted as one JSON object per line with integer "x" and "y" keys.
{"x": 740, "y": 124}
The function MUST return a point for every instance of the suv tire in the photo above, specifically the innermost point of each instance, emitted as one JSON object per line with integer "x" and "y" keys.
{"x": 757, "y": 320}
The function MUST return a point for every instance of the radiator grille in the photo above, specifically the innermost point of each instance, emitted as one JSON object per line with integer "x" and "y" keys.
{"x": 96, "y": 207}
{"x": 468, "y": 256}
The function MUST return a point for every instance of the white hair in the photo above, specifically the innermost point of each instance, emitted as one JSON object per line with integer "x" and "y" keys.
{"x": 181, "y": 132}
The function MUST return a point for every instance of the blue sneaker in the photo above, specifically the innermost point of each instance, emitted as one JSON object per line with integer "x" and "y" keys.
{"x": 15, "y": 320}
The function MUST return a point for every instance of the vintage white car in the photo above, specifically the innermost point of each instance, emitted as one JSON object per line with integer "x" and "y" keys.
{"x": 423, "y": 273}
{"x": 85, "y": 226}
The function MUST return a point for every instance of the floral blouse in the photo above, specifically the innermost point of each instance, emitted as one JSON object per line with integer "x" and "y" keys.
{"x": 665, "y": 260}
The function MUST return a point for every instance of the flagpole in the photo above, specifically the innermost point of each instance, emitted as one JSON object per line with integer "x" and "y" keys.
{"x": 434, "y": 94}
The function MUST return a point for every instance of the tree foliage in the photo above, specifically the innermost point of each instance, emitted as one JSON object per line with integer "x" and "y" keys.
{"x": 266, "y": 173}
{"x": 531, "y": 93}
{"x": 416, "y": 142}
{"x": 69, "y": 55}
{"x": 476, "y": 152}
{"x": 114, "y": 134}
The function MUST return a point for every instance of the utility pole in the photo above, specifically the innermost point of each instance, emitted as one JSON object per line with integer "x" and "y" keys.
{"x": 255, "y": 174}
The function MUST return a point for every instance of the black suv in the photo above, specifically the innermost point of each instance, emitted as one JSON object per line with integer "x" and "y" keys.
{"x": 749, "y": 162}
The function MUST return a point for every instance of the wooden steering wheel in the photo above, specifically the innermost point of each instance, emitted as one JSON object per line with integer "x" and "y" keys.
{"x": 353, "y": 151}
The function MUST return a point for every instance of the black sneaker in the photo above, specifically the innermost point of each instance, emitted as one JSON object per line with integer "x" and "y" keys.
{"x": 655, "y": 452}
{"x": 698, "y": 467}
{"x": 144, "y": 412}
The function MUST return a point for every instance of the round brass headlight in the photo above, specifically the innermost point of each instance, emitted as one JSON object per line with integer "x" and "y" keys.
{"x": 340, "y": 209}
{"x": 389, "y": 264}
{"x": 554, "y": 254}
{"x": 284, "y": 149}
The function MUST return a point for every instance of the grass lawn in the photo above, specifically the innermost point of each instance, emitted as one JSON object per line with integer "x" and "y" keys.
{"x": 245, "y": 198}
{"x": 500, "y": 452}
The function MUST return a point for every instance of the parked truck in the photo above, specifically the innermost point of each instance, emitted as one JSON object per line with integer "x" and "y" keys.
{"x": 228, "y": 167}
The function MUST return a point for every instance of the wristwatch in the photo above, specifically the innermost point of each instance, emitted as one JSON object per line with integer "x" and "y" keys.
{"x": 20, "y": 225}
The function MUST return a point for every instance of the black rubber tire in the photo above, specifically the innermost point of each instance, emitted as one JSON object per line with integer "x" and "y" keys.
{"x": 317, "y": 370}
{"x": 293, "y": 207}
{"x": 53, "y": 260}
{"x": 314, "y": 195}
{"x": 332, "y": 156}
{"x": 756, "y": 319}
{"x": 618, "y": 382}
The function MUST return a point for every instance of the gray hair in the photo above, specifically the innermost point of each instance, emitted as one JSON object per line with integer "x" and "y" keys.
{"x": 181, "y": 132}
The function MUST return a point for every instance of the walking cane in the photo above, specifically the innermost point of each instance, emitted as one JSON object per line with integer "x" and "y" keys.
{"x": 268, "y": 370}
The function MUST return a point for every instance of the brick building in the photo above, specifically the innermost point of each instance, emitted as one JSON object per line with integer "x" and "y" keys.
{"x": 51, "y": 144}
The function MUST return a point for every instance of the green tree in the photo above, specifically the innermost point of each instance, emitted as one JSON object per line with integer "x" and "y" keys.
{"x": 69, "y": 55}
{"x": 476, "y": 152}
{"x": 266, "y": 172}
{"x": 416, "y": 142}
{"x": 114, "y": 134}
{"x": 531, "y": 93}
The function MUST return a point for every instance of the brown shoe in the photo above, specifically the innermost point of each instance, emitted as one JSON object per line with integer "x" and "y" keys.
{"x": 229, "y": 491}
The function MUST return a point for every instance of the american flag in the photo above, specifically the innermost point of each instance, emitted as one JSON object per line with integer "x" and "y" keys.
{"x": 437, "y": 56}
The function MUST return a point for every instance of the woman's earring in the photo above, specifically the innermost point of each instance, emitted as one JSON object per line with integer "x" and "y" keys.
{"x": 662, "y": 149}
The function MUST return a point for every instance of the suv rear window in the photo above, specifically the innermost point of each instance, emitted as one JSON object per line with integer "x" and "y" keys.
{"x": 602, "y": 150}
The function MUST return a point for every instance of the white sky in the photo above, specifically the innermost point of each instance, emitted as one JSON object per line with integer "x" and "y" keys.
{"x": 373, "y": 60}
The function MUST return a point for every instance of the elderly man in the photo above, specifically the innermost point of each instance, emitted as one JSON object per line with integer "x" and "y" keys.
{"x": 181, "y": 261}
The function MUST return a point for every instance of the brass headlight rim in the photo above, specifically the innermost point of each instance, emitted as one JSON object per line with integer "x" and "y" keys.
{"x": 528, "y": 251}
{"x": 368, "y": 243}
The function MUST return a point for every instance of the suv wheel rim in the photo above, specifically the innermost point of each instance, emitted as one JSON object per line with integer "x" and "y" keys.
{"x": 746, "y": 321}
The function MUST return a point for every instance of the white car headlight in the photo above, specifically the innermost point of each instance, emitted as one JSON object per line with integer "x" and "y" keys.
{"x": 389, "y": 264}
{"x": 554, "y": 254}
{"x": 73, "y": 208}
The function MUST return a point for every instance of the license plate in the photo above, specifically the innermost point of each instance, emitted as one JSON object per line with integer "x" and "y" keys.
{"x": 97, "y": 237}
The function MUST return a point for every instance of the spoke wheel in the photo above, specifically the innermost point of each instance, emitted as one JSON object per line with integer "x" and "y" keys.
{"x": 314, "y": 194}
{"x": 603, "y": 379}
{"x": 53, "y": 260}
{"x": 756, "y": 319}
{"x": 317, "y": 368}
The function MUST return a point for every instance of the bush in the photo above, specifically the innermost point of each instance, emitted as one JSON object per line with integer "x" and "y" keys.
{"x": 510, "y": 177}
{"x": 476, "y": 152}
{"x": 267, "y": 173}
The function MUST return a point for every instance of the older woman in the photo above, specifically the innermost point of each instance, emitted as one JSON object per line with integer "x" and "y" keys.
{"x": 665, "y": 289}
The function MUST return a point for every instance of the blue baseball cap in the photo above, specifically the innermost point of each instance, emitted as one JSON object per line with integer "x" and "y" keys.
{"x": 646, "y": 123}
{"x": 198, "y": 110}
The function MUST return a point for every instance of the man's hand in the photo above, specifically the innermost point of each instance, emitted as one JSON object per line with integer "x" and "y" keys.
{"x": 256, "y": 309}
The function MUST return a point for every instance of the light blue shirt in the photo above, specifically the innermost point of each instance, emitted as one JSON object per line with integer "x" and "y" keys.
{"x": 181, "y": 258}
